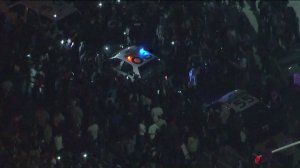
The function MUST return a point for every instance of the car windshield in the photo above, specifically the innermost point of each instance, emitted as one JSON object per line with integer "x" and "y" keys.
{"x": 151, "y": 68}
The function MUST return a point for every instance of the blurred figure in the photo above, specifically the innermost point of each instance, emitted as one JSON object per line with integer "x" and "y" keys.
{"x": 193, "y": 145}
{"x": 93, "y": 130}
{"x": 58, "y": 142}
{"x": 193, "y": 77}
{"x": 76, "y": 113}
{"x": 43, "y": 117}
{"x": 243, "y": 141}
{"x": 152, "y": 131}
{"x": 141, "y": 139}
{"x": 156, "y": 112}
{"x": 47, "y": 141}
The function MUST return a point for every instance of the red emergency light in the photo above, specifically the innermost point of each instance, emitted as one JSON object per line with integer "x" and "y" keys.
{"x": 257, "y": 159}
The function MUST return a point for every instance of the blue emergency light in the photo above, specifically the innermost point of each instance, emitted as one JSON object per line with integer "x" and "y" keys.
{"x": 143, "y": 52}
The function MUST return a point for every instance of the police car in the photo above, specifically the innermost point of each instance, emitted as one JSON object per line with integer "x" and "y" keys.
{"x": 136, "y": 62}
{"x": 246, "y": 111}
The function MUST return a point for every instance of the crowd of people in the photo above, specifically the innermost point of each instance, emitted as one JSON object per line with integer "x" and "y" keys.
{"x": 59, "y": 109}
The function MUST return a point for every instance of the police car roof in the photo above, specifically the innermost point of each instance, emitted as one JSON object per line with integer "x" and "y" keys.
{"x": 134, "y": 52}
{"x": 238, "y": 95}
{"x": 231, "y": 95}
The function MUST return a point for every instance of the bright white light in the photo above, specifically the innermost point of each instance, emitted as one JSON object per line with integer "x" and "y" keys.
{"x": 106, "y": 48}
{"x": 28, "y": 55}
{"x": 124, "y": 33}
{"x": 121, "y": 46}
{"x": 84, "y": 155}
{"x": 118, "y": 1}
{"x": 286, "y": 146}
{"x": 290, "y": 68}
{"x": 172, "y": 42}
{"x": 72, "y": 44}
{"x": 100, "y": 4}
{"x": 69, "y": 41}
{"x": 58, "y": 158}
{"x": 62, "y": 42}
{"x": 54, "y": 15}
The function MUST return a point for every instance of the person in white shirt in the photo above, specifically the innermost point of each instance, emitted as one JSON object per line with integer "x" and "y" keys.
{"x": 193, "y": 144}
{"x": 243, "y": 63}
{"x": 161, "y": 122}
{"x": 146, "y": 101}
{"x": 152, "y": 131}
{"x": 58, "y": 141}
{"x": 141, "y": 136}
{"x": 156, "y": 112}
{"x": 243, "y": 136}
{"x": 243, "y": 140}
{"x": 142, "y": 128}
{"x": 93, "y": 130}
